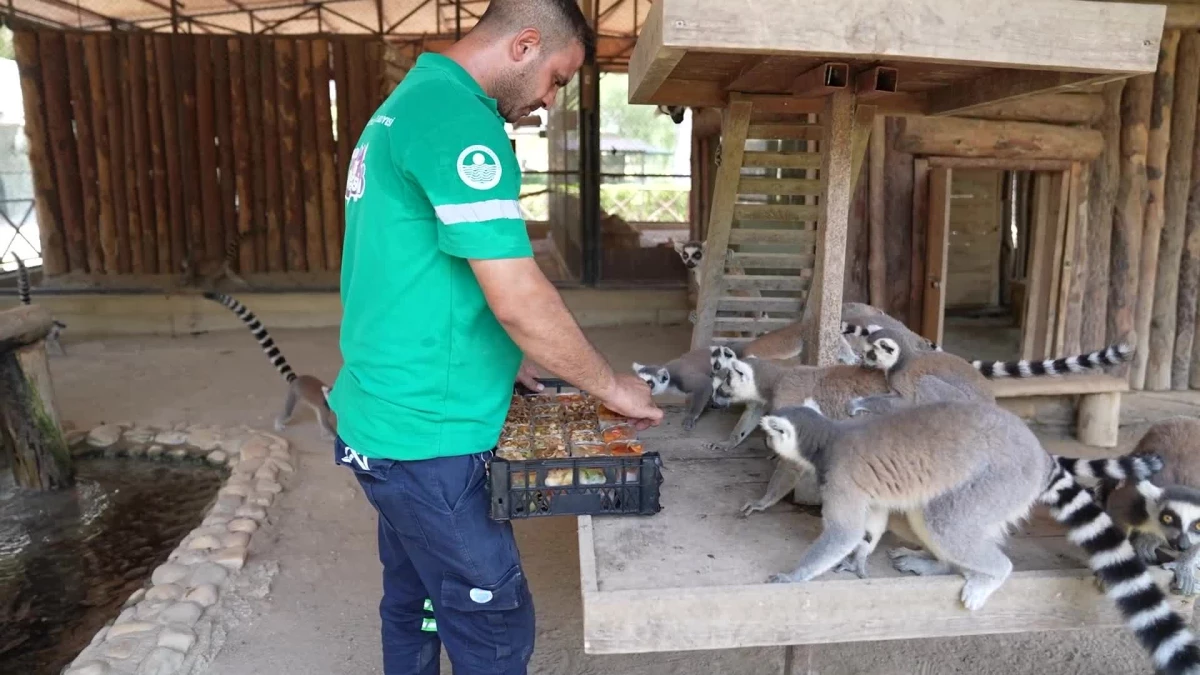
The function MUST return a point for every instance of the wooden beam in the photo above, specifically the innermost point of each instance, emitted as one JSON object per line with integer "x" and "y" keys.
{"x": 937, "y": 246}
{"x": 876, "y": 82}
{"x": 1055, "y": 108}
{"x": 1006, "y": 85}
{"x": 825, "y": 79}
{"x": 877, "y": 216}
{"x": 763, "y": 75}
{"x": 864, "y": 123}
{"x": 735, "y": 125}
{"x": 825, "y": 296}
{"x": 985, "y": 138}
{"x": 1000, "y": 163}
{"x": 652, "y": 60}
{"x": 1102, "y": 196}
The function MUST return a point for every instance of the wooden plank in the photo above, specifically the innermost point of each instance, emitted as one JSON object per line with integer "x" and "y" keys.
{"x": 751, "y": 325}
{"x": 1059, "y": 197}
{"x": 1066, "y": 286}
{"x": 345, "y": 144}
{"x": 767, "y": 282}
{"x": 898, "y": 184}
{"x": 192, "y": 173}
{"x": 310, "y": 170}
{"x": 1067, "y": 108}
{"x": 775, "y": 212}
{"x": 243, "y": 150}
{"x": 52, "y": 57}
{"x": 170, "y": 104}
{"x": 153, "y": 48}
{"x": 652, "y": 60}
{"x": 213, "y": 230}
{"x": 1007, "y": 86}
{"x": 825, "y": 299}
{"x": 877, "y": 265}
{"x": 1161, "y": 361}
{"x": 85, "y": 146}
{"x": 1077, "y": 246}
{"x": 1187, "y": 347}
{"x": 780, "y": 131}
{"x": 1105, "y": 174}
{"x": 782, "y": 160}
{"x": 331, "y": 202}
{"x": 292, "y": 225}
{"x": 734, "y": 126}
{"x": 1156, "y": 165}
{"x": 133, "y": 98}
{"x": 732, "y": 303}
{"x": 864, "y": 122}
{"x": 774, "y": 260}
{"x": 937, "y": 240}
{"x": 255, "y": 61}
{"x": 360, "y": 112}
{"x": 1130, "y": 208}
{"x": 918, "y": 282}
{"x": 1001, "y": 163}
{"x": 47, "y": 197}
{"x": 223, "y": 114}
{"x": 94, "y": 65}
{"x": 1074, "y": 385}
{"x": 750, "y": 185}
{"x": 1041, "y": 251}
{"x": 762, "y": 75}
{"x": 118, "y": 168}
{"x": 274, "y": 212}
{"x": 799, "y": 239}
{"x": 986, "y": 138}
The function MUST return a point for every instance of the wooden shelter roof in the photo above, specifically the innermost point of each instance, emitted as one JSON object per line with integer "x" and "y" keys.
{"x": 948, "y": 56}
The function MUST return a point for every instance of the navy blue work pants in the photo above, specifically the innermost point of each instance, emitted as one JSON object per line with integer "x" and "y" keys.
{"x": 436, "y": 541}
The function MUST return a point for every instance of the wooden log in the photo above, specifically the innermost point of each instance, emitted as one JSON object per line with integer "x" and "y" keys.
{"x": 331, "y": 202}
{"x": 109, "y": 243}
{"x": 937, "y": 247}
{"x": 310, "y": 170}
{"x": 877, "y": 267}
{"x": 1104, "y": 176}
{"x": 1185, "y": 368}
{"x": 345, "y": 143}
{"x": 918, "y": 280}
{"x": 157, "y": 48}
{"x": 1164, "y": 312}
{"x": 243, "y": 152}
{"x": 1098, "y": 419}
{"x": 52, "y": 56}
{"x": 358, "y": 93}
{"x": 1085, "y": 109}
{"x": 30, "y": 430}
{"x": 169, "y": 104}
{"x": 212, "y": 230}
{"x": 189, "y": 150}
{"x": 960, "y": 137}
{"x": 1156, "y": 164}
{"x": 270, "y": 166}
{"x": 223, "y": 112}
{"x": 85, "y": 145}
{"x": 289, "y": 156}
{"x": 41, "y": 155}
{"x": 1076, "y": 256}
{"x": 1130, "y": 211}
{"x": 133, "y": 227}
{"x": 118, "y": 168}
{"x": 253, "y": 59}
{"x": 898, "y": 184}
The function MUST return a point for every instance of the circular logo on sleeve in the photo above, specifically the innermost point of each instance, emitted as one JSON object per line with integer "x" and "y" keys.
{"x": 479, "y": 167}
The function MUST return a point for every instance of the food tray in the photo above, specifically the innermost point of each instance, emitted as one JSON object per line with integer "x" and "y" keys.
{"x": 563, "y": 483}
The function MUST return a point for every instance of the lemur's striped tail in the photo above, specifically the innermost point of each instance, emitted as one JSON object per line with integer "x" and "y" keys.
{"x": 866, "y": 331}
{"x": 1109, "y": 356}
{"x": 258, "y": 331}
{"x": 1126, "y": 467}
{"x": 22, "y": 281}
{"x": 1160, "y": 630}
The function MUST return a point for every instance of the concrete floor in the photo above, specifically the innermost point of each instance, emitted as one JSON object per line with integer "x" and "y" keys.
{"x": 309, "y": 595}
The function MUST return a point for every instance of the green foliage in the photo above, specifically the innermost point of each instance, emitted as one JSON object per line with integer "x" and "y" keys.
{"x": 642, "y": 122}
{"x": 6, "y": 43}
{"x": 635, "y": 203}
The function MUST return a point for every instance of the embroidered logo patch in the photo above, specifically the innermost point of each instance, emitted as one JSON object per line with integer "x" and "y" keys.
{"x": 356, "y": 180}
{"x": 479, "y": 167}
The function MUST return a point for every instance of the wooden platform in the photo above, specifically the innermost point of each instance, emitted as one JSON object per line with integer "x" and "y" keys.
{"x": 949, "y": 56}
{"x": 693, "y": 576}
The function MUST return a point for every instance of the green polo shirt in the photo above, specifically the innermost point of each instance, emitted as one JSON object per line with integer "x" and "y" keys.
{"x": 433, "y": 181}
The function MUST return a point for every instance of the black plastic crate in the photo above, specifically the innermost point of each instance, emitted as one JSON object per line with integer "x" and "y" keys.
{"x": 630, "y": 483}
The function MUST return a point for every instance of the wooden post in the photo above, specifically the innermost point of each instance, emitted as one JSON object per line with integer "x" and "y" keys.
{"x": 734, "y": 127}
{"x": 1130, "y": 208}
{"x": 877, "y": 267}
{"x": 825, "y": 295}
{"x": 30, "y": 431}
{"x": 331, "y": 198}
{"x": 1156, "y": 164}
{"x": 1178, "y": 180}
{"x": 937, "y": 246}
{"x": 898, "y": 239}
{"x": 1102, "y": 191}
{"x": 1075, "y": 277}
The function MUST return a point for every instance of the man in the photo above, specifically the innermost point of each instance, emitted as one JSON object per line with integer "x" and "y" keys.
{"x": 441, "y": 295}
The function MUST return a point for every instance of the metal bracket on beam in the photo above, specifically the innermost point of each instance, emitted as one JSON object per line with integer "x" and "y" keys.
{"x": 824, "y": 79}
{"x": 876, "y": 82}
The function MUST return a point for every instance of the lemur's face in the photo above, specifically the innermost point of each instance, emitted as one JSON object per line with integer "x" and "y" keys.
{"x": 690, "y": 253}
{"x": 882, "y": 354}
{"x": 657, "y": 377}
{"x": 737, "y": 383}
{"x": 1180, "y": 523}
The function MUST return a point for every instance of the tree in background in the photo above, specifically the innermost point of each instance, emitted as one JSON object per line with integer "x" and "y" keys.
{"x": 6, "y": 43}
{"x": 618, "y": 117}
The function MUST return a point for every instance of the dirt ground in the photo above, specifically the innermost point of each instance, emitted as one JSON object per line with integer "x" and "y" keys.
{"x": 309, "y": 595}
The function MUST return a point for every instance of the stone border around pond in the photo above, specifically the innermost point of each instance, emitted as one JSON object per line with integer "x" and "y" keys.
{"x": 155, "y": 630}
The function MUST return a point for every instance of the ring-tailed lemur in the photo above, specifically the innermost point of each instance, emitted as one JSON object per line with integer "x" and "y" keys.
{"x": 54, "y": 337}
{"x": 688, "y": 375}
{"x": 210, "y": 270}
{"x": 1165, "y": 509}
{"x": 963, "y": 473}
{"x": 692, "y": 254}
{"x": 307, "y": 388}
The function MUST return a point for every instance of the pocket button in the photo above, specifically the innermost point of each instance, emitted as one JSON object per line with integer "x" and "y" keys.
{"x": 481, "y": 595}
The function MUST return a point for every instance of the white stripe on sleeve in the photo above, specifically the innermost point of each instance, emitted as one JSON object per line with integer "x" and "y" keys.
{"x": 479, "y": 212}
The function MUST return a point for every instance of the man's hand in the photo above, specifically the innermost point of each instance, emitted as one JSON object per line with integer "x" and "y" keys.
{"x": 630, "y": 396}
{"x": 527, "y": 376}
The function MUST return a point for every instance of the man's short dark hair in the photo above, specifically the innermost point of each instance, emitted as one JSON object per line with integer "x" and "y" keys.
{"x": 559, "y": 21}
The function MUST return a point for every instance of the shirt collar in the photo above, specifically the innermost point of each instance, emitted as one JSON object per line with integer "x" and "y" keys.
{"x": 457, "y": 73}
